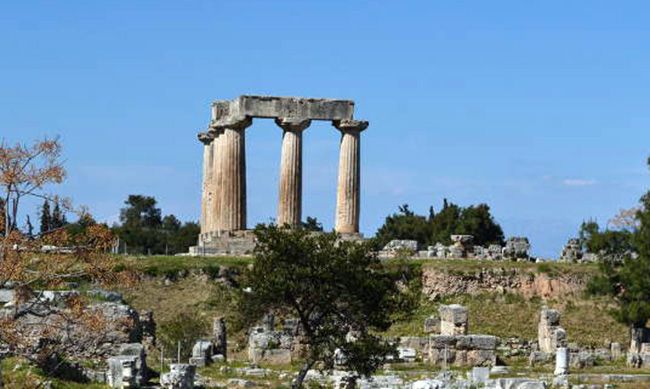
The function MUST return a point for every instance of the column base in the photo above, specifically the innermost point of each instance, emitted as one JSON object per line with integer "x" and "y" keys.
{"x": 240, "y": 243}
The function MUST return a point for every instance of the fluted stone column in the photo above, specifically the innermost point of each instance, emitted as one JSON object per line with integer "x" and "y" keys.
{"x": 232, "y": 148}
{"x": 290, "y": 203}
{"x": 348, "y": 191}
{"x": 217, "y": 181}
{"x": 207, "y": 140}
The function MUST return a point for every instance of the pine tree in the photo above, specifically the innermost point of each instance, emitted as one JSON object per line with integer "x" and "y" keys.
{"x": 46, "y": 217}
{"x": 30, "y": 228}
{"x": 58, "y": 217}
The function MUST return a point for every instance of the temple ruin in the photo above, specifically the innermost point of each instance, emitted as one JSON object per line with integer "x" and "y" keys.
{"x": 223, "y": 200}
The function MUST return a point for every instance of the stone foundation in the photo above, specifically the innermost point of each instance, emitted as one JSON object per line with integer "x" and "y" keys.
{"x": 238, "y": 243}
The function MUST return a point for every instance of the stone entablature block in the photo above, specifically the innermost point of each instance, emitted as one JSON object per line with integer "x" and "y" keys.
{"x": 227, "y": 112}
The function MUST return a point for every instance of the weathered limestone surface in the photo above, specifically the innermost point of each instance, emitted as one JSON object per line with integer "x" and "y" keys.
{"x": 562, "y": 361}
{"x": 453, "y": 320}
{"x": 550, "y": 335}
{"x": 233, "y": 177}
{"x": 223, "y": 201}
{"x": 207, "y": 141}
{"x": 180, "y": 376}
{"x": 216, "y": 183}
{"x": 219, "y": 335}
{"x": 464, "y": 350}
{"x": 349, "y": 181}
{"x": 227, "y": 112}
{"x": 290, "y": 204}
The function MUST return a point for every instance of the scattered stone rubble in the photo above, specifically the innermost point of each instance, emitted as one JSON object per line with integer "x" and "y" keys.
{"x": 265, "y": 345}
{"x": 516, "y": 249}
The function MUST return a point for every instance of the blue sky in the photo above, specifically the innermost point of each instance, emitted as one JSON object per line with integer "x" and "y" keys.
{"x": 539, "y": 109}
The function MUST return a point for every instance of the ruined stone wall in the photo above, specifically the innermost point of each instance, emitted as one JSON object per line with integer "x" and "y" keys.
{"x": 438, "y": 283}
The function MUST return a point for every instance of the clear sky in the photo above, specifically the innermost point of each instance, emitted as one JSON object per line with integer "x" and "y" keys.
{"x": 539, "y": 109}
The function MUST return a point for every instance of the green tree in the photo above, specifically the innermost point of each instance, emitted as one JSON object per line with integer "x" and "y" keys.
{"x": 628, "y": 281}
{"x": 312, "y": 224}
{"x": 58, "y": 217}
{"x": 608, "y": 243}
{"x": 403, "y": 225}
{"x": 445, "y": 223}
{"x": 141, "y": 225}
{"x": 46, "y": 217}
{"x": 478, "y": 222}
{"x": 141, "y": 211}
{"x": 185, "y": 237}
{"x": 333, "y": 288}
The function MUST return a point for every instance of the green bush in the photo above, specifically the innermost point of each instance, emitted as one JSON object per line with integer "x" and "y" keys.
{"x": 186, "y": 327}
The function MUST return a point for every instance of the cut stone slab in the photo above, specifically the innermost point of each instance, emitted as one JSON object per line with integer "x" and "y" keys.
{"x": 227, "y": 112}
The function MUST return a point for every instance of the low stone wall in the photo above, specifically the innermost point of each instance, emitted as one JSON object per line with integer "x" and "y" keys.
{"x": 462, "y": 350}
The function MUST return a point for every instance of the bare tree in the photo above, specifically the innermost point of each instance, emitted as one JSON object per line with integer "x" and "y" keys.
{"x": 35, "y": 326}
{"x": 25, "y": 170}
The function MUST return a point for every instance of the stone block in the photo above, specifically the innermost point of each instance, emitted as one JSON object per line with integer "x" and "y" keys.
{"x": 270, "y": 356}
{"x": 480, "y": 358}
{"x": 203, "y": 348}
{"x": 550, "y": 335}
{"x": 180, "y": 376}
{"x": 399, "y": 245}
{"x": 453, "y": 320}
{"x": 483, "y": 342}
{"x": 480, "y": 375}
{"x": 122, "y": 372}
{"x": 420, "y": 344}
{"x": 581, "y": 359}
{"x": 539, "y": 358}
{"x": 616, "y": 350}
{"x": 638, "y": 336}
{"x": 136, "y": 350}
{"x": 432, "y": 325}
{"x": 406, "y": 354}
{"x": 199, "y": 361}
{"x": 442, "y": 341}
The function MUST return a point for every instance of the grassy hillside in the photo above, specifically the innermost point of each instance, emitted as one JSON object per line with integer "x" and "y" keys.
{"x": 497, "y": 313}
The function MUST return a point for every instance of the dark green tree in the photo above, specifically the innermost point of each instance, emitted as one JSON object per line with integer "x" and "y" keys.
{"x": 46, "y": 217}
{"x": 141, "y": 227}
{"x": 628, "y": 281}
{"x": 477, "y": 221}
{"x": 185, "y": 237}
{"x": 445, "y": 223}
{"x": 312, "y": 224}
{"x": 141, "y": 211}
{"x": 333, "y": 288}
{"x": 58, "y": 217}
{"x": 403, "y": 225}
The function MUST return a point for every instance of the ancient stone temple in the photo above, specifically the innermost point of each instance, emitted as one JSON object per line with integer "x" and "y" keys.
{"x": 223, "y": 200}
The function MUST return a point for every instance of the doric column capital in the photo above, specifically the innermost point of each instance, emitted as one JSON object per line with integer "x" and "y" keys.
{"x": 350, "y": 125}
{"x": 205, "y": 137}
{"x": 234, "y": 125}
{"x": 293, "y": 124}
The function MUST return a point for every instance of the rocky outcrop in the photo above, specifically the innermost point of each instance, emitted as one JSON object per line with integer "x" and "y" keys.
{"x": 438, "y": 283}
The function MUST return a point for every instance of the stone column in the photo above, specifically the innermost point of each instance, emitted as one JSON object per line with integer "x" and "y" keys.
{"x": 206, "y": 139}
{"x": 217, "y": 181}
{"x": 232, "y": 161}
{"x": 290, "y": 204}
{"x": 348, "y": 195}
